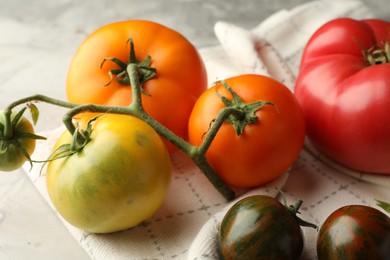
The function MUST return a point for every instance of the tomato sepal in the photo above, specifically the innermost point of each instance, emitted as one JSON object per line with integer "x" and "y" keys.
{"x": 245, "y": 113}
{"x": 121, "y": 75}
{"x": 80, "y": 139}
{"x": 294, "y": 210}
{"x": 16, "y": 132}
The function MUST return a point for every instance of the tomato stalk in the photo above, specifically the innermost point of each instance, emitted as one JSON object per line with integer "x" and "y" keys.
{"x": 294, "y": 210}
{"x": 232, "y": 112}
{"x": 197, "y": 154}
{"x": 134, "y": 74}
{"x": 223, "y": 115}
{"x": 42, "y": 98}
{"x": 8, "y": 128}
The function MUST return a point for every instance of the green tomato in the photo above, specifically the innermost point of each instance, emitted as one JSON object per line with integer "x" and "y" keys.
{"x": 118, "y": 179}
{"x": 15, "y": 150}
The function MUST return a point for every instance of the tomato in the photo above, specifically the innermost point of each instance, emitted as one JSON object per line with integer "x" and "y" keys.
{"x": 260, "y": 227}
{"x": 267, "y": 147}
{"x": 181, "y": 75}
{"x": 343, "y": 87}
{"x": 355, "y": 232}
{"x": 15, "y": 151}
{"x": 117, "y": 180}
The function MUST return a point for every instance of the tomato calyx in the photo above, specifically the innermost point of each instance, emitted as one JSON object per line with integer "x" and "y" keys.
{"x": 294, "y": 210}
{"x": 10, "y": 136}
{"x": 243, "y": 113}
{"x": 378, "y": 54}
{"x": 80, "y": 139}
{"x": 121, "y": 75}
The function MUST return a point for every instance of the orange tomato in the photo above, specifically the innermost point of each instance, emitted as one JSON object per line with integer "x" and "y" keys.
{"x": 168, "y": 97}
{"x": 266, "y": 148}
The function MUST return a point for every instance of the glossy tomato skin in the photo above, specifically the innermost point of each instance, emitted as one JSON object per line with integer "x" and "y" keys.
{"x": 345, "y": 101}
{"x": 265, "y": 149}
{"x": 354, "y": 232}
{"x": 119, "y": 179}
{"x": 260, "y": 227}
{"x": 12, "y": 158}
{"x": 181, "y": 75}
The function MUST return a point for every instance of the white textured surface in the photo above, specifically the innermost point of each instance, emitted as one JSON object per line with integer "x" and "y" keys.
{"x": 37, "y": 40}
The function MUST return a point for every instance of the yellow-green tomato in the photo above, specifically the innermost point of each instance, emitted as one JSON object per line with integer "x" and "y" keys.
{"x": 119, "y": 179}
{"x": 11, "y": 155}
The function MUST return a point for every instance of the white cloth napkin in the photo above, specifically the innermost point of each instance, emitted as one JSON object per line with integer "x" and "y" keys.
{"x": 186, "y": 227}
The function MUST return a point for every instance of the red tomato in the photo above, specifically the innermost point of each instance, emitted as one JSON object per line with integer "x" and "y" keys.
{"x": 181, "y": 76}
{"x": 267, "y": 147}
{"x": 344, "y": 98}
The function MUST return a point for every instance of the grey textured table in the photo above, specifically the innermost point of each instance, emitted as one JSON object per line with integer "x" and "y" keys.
{"x": 34, "y": 32}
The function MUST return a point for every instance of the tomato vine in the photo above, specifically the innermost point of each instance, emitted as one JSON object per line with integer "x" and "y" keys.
{"x": 196, "y": 153}
{"x": 135, "y": 73}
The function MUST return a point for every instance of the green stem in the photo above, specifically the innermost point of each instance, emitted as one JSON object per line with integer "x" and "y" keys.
{"x": 198, "y": 158}
{"x": 68, "y": 117}
{"x": 223, "y": 114}
{"x": 197, "y": 154}
{"x": 136, "y": 104}
{"x": 213, "y": 177}
{"x": 42, "y": 98}
{"x": 294, "y": 209}
{"x": 137, "y": 110}
{"x": 8, "y": 131}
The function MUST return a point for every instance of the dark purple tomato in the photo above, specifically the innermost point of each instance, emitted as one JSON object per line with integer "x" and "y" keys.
{"x": 260, "y": 227}
{"x": 355, "y": 232}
